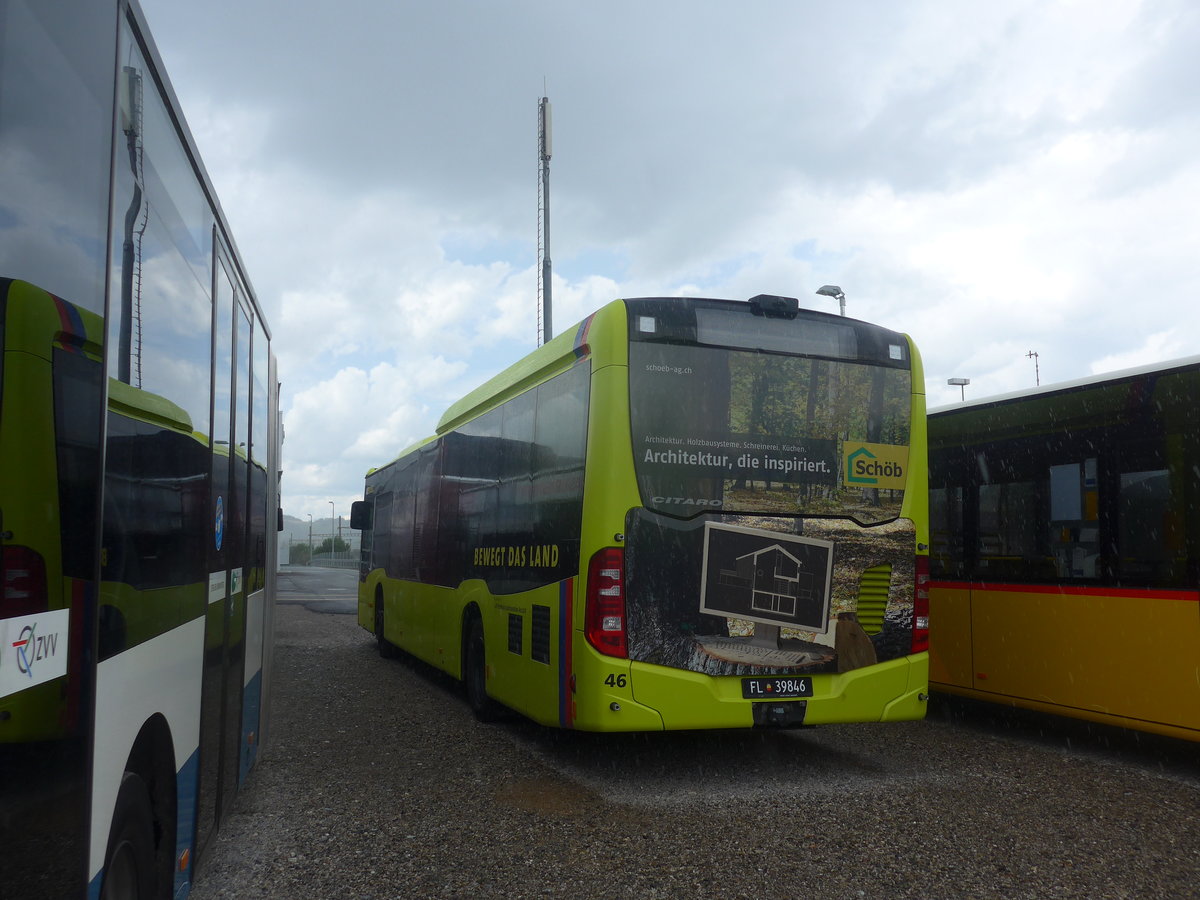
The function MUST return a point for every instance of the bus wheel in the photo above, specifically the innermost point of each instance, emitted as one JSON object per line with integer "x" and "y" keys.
{"x": 386, "y": 648}
{"x": 475, "y": 675}
{"x": 129, "y": 864}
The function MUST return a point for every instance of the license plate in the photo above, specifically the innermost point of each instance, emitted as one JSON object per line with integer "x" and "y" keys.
{"x": 779, "y": 688}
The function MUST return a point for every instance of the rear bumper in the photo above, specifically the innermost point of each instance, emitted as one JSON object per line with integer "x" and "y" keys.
{"x": 896, "y": 690}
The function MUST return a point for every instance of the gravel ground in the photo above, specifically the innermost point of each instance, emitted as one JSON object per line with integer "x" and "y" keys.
{"x": 377, "y": 783}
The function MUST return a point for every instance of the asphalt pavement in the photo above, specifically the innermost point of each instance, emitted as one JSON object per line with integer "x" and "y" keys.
{"x": 321, "y": 590}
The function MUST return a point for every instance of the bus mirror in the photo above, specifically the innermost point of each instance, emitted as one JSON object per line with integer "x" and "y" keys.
{"x": 279, "y": 518}
{"x": 360, "y": 515}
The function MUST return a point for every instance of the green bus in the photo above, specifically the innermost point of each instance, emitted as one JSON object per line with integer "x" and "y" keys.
{"x": 683, "y": 513}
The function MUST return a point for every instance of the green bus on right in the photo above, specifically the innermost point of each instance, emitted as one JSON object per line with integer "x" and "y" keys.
{"x": 1065, "y": 549}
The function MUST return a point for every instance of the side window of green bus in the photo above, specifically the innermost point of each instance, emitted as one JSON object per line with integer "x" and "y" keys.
{"x": 560, "y": 445}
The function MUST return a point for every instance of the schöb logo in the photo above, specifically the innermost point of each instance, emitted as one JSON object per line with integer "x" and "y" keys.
{"x": 875, "y": 465}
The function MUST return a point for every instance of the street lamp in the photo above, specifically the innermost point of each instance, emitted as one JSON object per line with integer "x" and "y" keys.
{"x": 332, "y": 509}
{"x": 961, "y": 384}
{"x": 309, "y": 539}
{"x": 832, "y": 290}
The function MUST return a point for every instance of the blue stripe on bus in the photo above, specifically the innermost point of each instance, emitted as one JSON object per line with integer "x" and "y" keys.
{"x": 581, "y": 346}
{"x": 566, "y": 711}
{"x": 74, "y": 332}
{"x": 186, "y": 791}
{"x": 251, "y": 707}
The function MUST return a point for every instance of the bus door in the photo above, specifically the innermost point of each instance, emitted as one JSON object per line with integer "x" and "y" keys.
{"x": 225, "y": 624}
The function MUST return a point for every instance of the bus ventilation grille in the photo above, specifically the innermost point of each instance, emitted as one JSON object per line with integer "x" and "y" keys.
{"x": 539, "y": 640}
{"x": 873, "y": 597}
{"x": 516, "y": 626}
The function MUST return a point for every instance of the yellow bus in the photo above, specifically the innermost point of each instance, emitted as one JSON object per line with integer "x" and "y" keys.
{"x": 138, "y": 470}
{"x": 1066, "y": 549}
{"x": 680, "y": 514}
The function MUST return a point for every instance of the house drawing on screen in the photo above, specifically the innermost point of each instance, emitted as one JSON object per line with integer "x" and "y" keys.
{"x": 773, "y": 578}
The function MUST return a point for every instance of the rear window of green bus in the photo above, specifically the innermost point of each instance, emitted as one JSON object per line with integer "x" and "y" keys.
{"x": 736, "y": 413}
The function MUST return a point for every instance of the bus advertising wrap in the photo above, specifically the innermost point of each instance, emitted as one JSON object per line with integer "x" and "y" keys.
{"x": 768, "y": 434}
{"x": 804, "y": 461}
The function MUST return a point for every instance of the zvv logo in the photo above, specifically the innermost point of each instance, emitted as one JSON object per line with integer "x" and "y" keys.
{"x": 31, "y": 648}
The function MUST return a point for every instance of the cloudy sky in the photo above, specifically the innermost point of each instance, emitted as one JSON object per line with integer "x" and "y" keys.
{"x": 992, "y": 178}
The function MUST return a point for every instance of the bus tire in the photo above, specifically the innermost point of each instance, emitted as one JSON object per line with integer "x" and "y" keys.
{"x": 475, "y": 674}
{"x": 129, "y": 861}
{"x": 387, "y": 649}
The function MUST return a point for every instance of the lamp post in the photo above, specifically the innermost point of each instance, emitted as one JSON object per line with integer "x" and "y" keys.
{"x": 332, "y": 510}
{"x": 961, "y": 384}
{"x": 1037, "y": 372}
{"x": 832, "y": 290}
{"x": 309, "y": 540}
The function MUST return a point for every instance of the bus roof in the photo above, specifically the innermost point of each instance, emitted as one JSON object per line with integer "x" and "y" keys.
{"x": 1063, "y": 386}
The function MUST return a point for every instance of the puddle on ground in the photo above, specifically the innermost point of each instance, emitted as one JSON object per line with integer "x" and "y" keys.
{"x": 548, "y": 794}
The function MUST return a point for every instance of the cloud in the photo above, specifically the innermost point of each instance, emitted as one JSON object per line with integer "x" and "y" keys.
{"x": 993, "y": 180}
{"x": 338, "y": 428}
{"x": 1156, "y": 348}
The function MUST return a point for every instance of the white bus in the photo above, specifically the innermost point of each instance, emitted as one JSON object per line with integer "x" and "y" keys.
{"x": 138, "y": 470}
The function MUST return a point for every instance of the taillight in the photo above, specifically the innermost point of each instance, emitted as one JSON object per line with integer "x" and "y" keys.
{"x": 604, "y": 616}
{"x": 920, "y": 622}
{"x": 24, "y": 582}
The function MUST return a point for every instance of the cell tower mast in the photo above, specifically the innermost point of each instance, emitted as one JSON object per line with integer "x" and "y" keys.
{"x": 545, "y": 328}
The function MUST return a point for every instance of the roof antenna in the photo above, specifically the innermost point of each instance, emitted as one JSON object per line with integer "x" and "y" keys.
{"x": 545, "y": 327}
